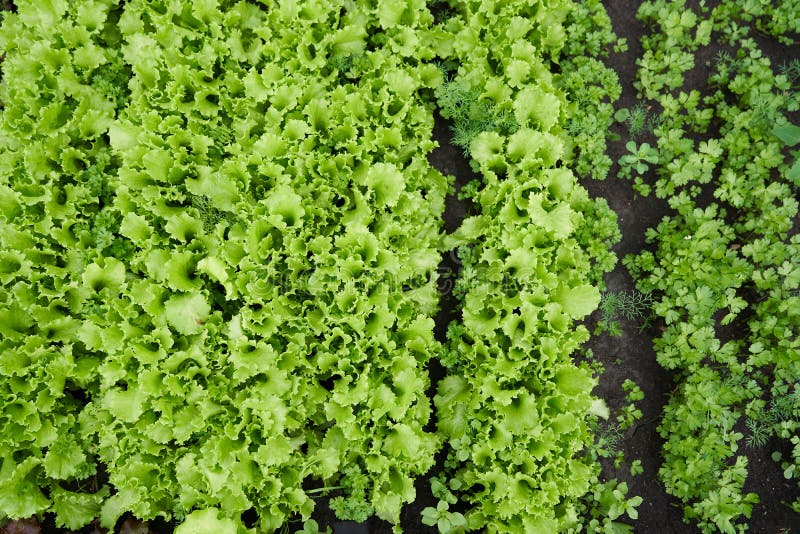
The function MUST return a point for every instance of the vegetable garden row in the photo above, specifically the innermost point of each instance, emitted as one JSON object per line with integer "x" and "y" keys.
{"x": 220, "y": 238}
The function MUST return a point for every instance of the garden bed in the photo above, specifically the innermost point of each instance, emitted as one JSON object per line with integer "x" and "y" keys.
{"x": 629, "y": 355}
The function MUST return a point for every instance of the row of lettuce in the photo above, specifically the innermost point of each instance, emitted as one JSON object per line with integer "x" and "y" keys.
{"x": 515, "y": 410}
{"x": 218, "y": 250}
{"x": 725, "y": 265}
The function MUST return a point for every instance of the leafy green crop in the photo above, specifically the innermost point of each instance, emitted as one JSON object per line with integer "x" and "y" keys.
{"x": 730, "y": 260}
{"x": 59, "y": 97}
{"x": 514, "y": 407}
{"x": 219, "y": 239}
{"x": 591, "y": 87}
{"x": 218, "y": 259}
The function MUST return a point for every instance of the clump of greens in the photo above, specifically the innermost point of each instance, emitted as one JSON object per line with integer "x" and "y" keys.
{"x": 217, "y": 260}
{"x": 219, "y": 239}
{"x": 514, "y": 408}
{"x": 591, "y": 87}
{"x": 726, "y": 257}
{"x": 60, "y": 93}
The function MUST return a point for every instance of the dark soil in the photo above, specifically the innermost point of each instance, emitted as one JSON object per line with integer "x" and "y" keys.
{"x": 631, "y": 355}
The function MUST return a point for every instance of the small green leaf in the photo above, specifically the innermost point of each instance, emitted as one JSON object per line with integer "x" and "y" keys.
{"x": 622, "y": 115}
{"x": 788, "y": 133}
{"x": 789, "y": 471}
{"x": 206, "y": 522}
{"x": 186, "y": 313}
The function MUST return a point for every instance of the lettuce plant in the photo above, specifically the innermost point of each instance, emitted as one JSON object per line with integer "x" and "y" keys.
{"x": 220, "y": 234}
{"x": 514, "y": 408}
{"x": 218, "y": 259}
{"x": 60, "y": 94}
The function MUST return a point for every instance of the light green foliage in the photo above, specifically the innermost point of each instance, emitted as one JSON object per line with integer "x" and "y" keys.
{"x": 514, "y": 404}
{"x": 207, "y": 521}
{"x": 233, "y": 297}
{"x": 218, "y": 250}
{"x": 630, "y": 412}
{"x": 311, "y": 372}
{"x": 58, "y": 74}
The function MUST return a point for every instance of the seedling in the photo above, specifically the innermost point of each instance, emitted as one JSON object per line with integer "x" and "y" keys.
{"x": 638, "y": 159}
